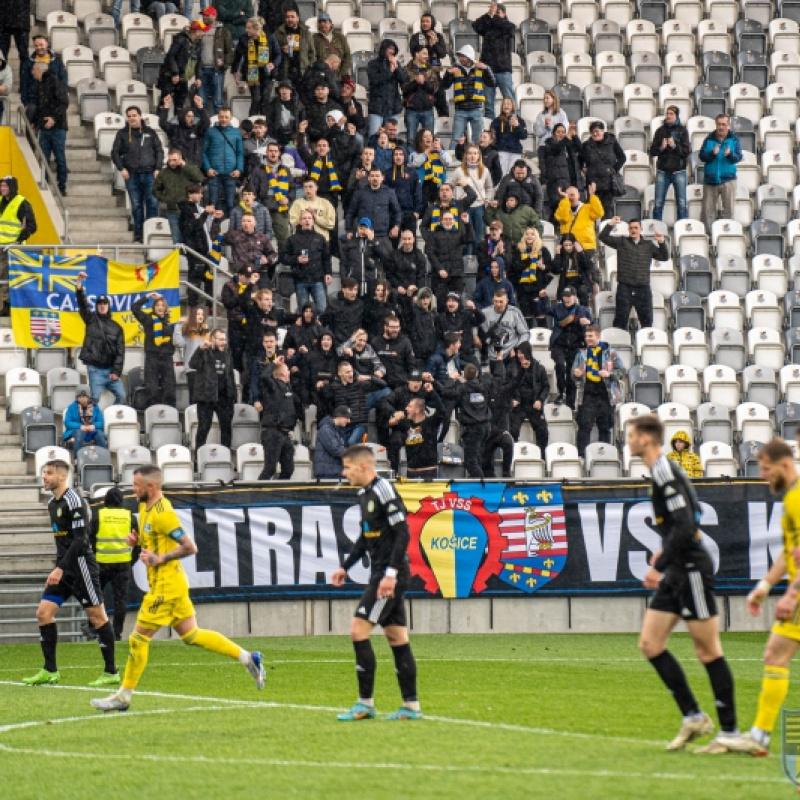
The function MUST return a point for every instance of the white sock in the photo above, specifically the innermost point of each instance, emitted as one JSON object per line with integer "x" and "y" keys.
{"x": 367, "y": 701}
{"x": 413, "y": 705}
{"x": 762, "y": 737}
{"x": 125, "y": 694}
{"x": 244, "y": 657}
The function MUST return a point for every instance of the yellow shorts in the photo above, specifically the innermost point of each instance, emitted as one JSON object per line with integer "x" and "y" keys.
{"x": 156, "y": 612}
{"x": 789, "y": 630}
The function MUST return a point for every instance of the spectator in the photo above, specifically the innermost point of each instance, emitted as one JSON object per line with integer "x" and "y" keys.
{"x": 561, "y": 167}
{"x": 280, "y": 412}
{"x": 199, "y": 226}
{"x": 359, "y": 174}
{"x": 598, "y": 370}
{"x": 531, "y": 267}
{"x": 531, "y": 390}
{"x": 223, "y": 160}
{"x": 427, "y": 36}
{"x": 233, "y": 14}
{"x": 470, "y": 79}
{"x": 353, "y": 110}
{"x": 232, "y": 292}
{"x": 494, "y": 279}
{"x": 575, "y": 269}
{"x": 329, "y": 165}
{"x": 309, "y": 256}
{"x": 216, "y": 57}
{"x": 138, "y": 155}
{"x": 294, "y": 39}
{"x": 361, "y": 257}
{"x": 189, "y": 335}
{"x": 503, "y": 327}
{"x": 406, "y": 267}
{"x": 394, "y": 350}
{"x": 578, "y": 218}
{"x": 602, "y": 159}
{"x": 346, "y": 388}
{"x": 255, "y": 146}
{"x": 103, "y": 349}
{"x": 721, "y": 152}
{"x": 683, "y": 456}
{"x": 489, "y": 154}
{"x": 510, "y": 131}
{"x": 474, "y": 174}
{"x": 214, "y": 387}
{"x": 445, "y": 202}
{"x": 272, "y": 184}
{"x": 404, "y": 181}
{"x": 183, "y": 63}
{"x": 515, "y": 217}
{"x": 498, "y": 34}
{"x": 493, "y": 246}
{"x": 390, "y": 127}
{"x": 83, "y": 423}
{"x": 159, "y": 349}
{"x": 382, "y": 305}
{"x": 331, "y": 444}
{"x": 322, "y": 209}
{"x": 6, "y": 82}
{"x": 418, "y": 309}
{"x": 546, "y": 120}
{"x": 170, "y": 188}
{"x": 28, "y": 88}
{"x": 345, "y": 313}
{"x": 385, "y": 76}
{"x": 17, "y": 225}
{"x": 15, "y": 22}
{"x": 328, "y": 41}
{"x": 187, "y": 131}
{"x": 157, "y": 8}
{"x": 474, "y": 413}
{"x": 116, "y": 9}
{"x": 318, "y": 371}
{"x": 380, "y": 203}
{"x": 250, "y": 248}
{"x": 274, "y": 12}
{"x": 527, "y": 184}
{"x": 321, "y": 73}
{"x": 284, "y": 113}
{"x": 256, "y": 60}
{"x": 431, "y": 161}
{"x": 444, "y": 251}
{"x": 418, "y": 431}
{"x": 51, "y": 121}
{"x": 634, "y": 256}
{"x": 446, "y": 367}
{"x": 419, "y": 91}
{"x": 250, "y": 205}
{"x": 463, "y": 320}
{"x": 671, "y": 147}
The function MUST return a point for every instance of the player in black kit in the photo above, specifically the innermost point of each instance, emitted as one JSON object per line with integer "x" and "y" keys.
{"x": 384, "y": 537}
{"x": 76, "y": 575}
{"x": 682, "y": 574}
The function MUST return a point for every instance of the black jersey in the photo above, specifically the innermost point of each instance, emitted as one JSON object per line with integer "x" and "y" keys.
{"x": 384, "y": 530}
{"x": 69, "y": 521}
{"x": 421, "y": 438}
{"x": 677, "y": 515}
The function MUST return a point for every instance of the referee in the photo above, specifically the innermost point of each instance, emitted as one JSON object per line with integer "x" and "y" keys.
{"x": 384, "y": 537}
{"x": 682, "y": 575}
{"x": 76, "y": 575}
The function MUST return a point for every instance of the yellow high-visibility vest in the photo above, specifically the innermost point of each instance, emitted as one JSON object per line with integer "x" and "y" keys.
{"x": 10, "y": 226}
{"x": 114, "y": 526}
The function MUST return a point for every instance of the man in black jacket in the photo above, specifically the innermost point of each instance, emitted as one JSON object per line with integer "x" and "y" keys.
{"x": 344, "y": 314}
{"x": 474, "y": 412}
{"x": 432, "y": 219}
{"x": 500, "y": 403}
{"x": 406, "y": 268}
{"x": 237, "y": 319}
{"x": 361, "y": 258}
{"x": 531, "y": 390}
{"x": 394, "y": 350}
{"x": 51, "y": 120}
{"x": 530, "y": 189}
{"x": 308, "y": 254}
{"x": 103, "y": 349}
{"x": 351, "y": 391}
{"x": 379, "y": 204}
{"x": 672, "y": 147}
{"x": 498, "y": 34}
{"x": 199, "y": 226}
{"x": 214, "y": 387}
{"x": 463, "y": 319}
{"x": 417, "y": 430}
{"x": 444, "y": 251}
{"x": 282, "y": 409}
{"x": 317, "y": 110}
{"x": 183, "y": 52}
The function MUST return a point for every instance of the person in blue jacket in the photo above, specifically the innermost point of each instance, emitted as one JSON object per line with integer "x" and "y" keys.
{"x": 721, "y": 152}
{"x": 223, "y": 161}
{"x": 331, "y": 444}
{"x": 510, "y": 132}
{"x": 408, "y": 189}
{"x": 83, "y": 422}
{"x": 495, "y": 279}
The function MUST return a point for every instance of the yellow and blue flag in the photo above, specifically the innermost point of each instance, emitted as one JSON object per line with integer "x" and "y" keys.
{"x": 44, "y": 309}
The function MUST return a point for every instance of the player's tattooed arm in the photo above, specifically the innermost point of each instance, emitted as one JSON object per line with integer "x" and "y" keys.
{"x": 186, "y": 547}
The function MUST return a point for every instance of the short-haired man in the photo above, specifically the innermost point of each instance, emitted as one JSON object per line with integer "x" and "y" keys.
{"x": 720, "y": 152}
{"x": 249, "y": 248}
{"x": 671, "y": 147}
{"x": 579, "y": 218}
{"x": 282, "y": 408}
{"x": 444, "y": 252}
{"x": 419, "y": 431}
{"x": 309, "y": 256}
{"x": 351, "y": 390}
{"x": 379, "y": 204}
{"x": 214, "y": 387}
{"x": 51, "y": 120}
{"x": 497, "y": 33}
{"x": 324, "y": 211}
{"x": 42, "y": 54}
{"x": 216, "y": 57}
{"x": 474, "y": 412}
{"x": 344, "y": 314}
{"x": 170, "y": 187}
{"x": 328, "y": 41}
{"x": 385, "y": 537}
{"x": 503, "y": 327}
{"x": 272, "y": 183}
{"x": 223, "y": 160}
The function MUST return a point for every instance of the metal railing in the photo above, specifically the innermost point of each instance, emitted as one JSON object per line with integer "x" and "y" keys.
{"x": 5, "y": 110}
{"x": 46, "y": 176}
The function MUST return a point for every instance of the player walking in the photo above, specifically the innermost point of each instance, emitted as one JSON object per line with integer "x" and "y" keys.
{"x": 76, "y": 574}
{"x": 683, "y": 576}
{"x": 164, "y": 543}
{"x": 384, "y": 536}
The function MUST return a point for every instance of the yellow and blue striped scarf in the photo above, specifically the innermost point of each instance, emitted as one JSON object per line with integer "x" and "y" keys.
{"x": 433, "y": 168}
{"x": 594, "y": 357}
{"x": 436, "y": 217}
{"x": 477, "y": 88}
{"x": 279, "y": 183}
{"x": 257, "y": 57}
{"x": 333, "y": 179}
{"x": 530, "y": 265}
{"x": 161, "y": 334}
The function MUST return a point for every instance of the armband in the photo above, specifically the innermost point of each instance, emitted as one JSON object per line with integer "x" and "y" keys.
{"x": 391, "y": 572}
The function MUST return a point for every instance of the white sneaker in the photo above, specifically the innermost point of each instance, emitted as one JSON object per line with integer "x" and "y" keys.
{"x": 735, "y": 743}
{"x": 114, "y": 702}
{"x": 692, "y": 729}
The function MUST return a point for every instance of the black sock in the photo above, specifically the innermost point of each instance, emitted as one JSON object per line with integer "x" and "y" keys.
{"x": 721, "y": 677}
{"x": 406, "y": 668}
{"x": 105, "y": 635}
{"x": 365, "y": 668}
{"x": 671, "y": 672}
{"x": 48, "y": 637}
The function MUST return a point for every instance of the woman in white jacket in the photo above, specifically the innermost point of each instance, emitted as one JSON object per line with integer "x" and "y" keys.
{"x": 551, "y": 115}
{"x": 473, "y": 173}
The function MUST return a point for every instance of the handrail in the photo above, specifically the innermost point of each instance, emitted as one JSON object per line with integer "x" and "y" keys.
{"x": 5, "y": 105}
{"x": 46, "y": 176}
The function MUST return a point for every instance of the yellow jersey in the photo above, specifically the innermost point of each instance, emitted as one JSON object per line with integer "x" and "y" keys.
{"x": 160, "y": 531}
{"x": 790, "y": 522}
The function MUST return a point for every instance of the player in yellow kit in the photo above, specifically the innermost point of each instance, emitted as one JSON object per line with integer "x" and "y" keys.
{"x": 164, "y": 543}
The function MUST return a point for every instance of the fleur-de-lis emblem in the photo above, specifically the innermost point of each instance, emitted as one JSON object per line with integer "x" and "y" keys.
{"x": 520, "y": 497}
{"x": 544, "y": 496}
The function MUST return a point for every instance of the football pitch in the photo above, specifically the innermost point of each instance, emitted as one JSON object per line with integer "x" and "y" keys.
{"x": 565, "y": 716}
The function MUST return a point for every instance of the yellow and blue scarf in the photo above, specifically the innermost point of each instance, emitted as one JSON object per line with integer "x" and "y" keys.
{"x": 279, "y": 184}
{"x": 257, "y": 57}
{"x": 333, "y": 179}
{"x": 162, "y": 333}
{"x": 477, "y": 88}
{"x": 594, "y": 357}
{"x": 530, "y": 265}
{"x": 436, "y": 216}
{"x": 433, "y": 168}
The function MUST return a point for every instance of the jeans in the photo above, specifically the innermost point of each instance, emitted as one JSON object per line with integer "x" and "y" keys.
{"x": 54, "y": 142}
{"x": 311, "y": 292}
{"x": 116, "y": 9}
{"x": 162, "y": 8}
{"x": 374, "y": 122}
{"x": 211, "y": 90}
{"x": 373, "y": 398}
{"x": 143, "y": 204}
{"x": 98, "y": 440}
{"x": 463, "y": 119}
{"x": 353, "y": 434}
{"x": 228, "y": 186}
{"x": 188, "y": 10}
{"x": 99, "y": 379}
{"x": 476, "y": 220}
{"x": 174, "y": 227}
{"x": 678, "y": 182}
{"x": 418, "y": 119}
{"x": 505, "y": 83}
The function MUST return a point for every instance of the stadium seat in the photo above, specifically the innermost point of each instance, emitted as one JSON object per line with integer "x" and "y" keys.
{"x": 682, "y": 385}
{"x": 542, "y": 69}
{"x": 62, "y": 31}
{"x": 633, "y": 466}
{"x": 175, "y": 463}
{"x": 572, "y": 37}
{"x": 131, "y": 93}
{"x": 678, "y": 37}
{"x": 784, "y": 35}
{"x": 698, "y": 127}
{"x": 714, "y": 423}
{"x": 607, "y": 36}
{"x": 79, "y": 62}
{"x": 129, "y": 459}
{"x": 170, "y": 24}
{"x": 451, "y": 461}
{"x": 717, "y": 460}
{"x": 61, "y": 384}
{"x": 653, "y": 349}
{"x": 138, "y": 31}
{"x": 396, "y": 29}
{"x": 767, "y": 238}
{"x": 38, "y": 429}
{"x": 645, "y": 386}
{"x": 578, "y": 69}
{"x": 93, "y": 98}
{"x": 753, "y": 422}
{"x": 687, "y": 310}
{"x": 121, "y": 427}
{"x": 246, "y": 425}
{"x": 785, "y": 68}
{"x": 162, "y": 426}
{"x": 612, "y": 70}
{"x": 55, "y": 453}
{"x": 770, "y": 277}
{"x": 602, "y": 461}
{"x": 696, "y": 275}
{"x": 762, "y": 310}
{"x": 100, "y": 31}
{"x": 675, "y": 417}
{"x": 787, "y": 420}
{"x": 619, "y": 11}
{"x": 646, "y": 68}
{"x": 23, "y": 390}
{"x": 690, "y": 349}
{"x": 46, "y": 358}
{"x": 214, "y": 463}
{"x": 782, "y": 101}
{"x": 760, "y": 385}
{"x": 642, "y": 36}
{"x": 563, "y": 462}
{"x": 358, "y": 32}
{"x": 600, "y": 102}
{"x": 765, "y": 348}
{"x": 638, "y": 100}
{"x": 713, "y": 35}
{"x": 691, "y": 238}
{"x": 528, "y": 462}
{"x": 560, "y": 423}
{"x": 745, "y": 101}
{"x": 748, "y": 459}
{"x": 727, "y": 348}
{"x": 682, "y": 70}
{"x": 105, "y": 131}
{"x": 725, "y": 310}
{"x": 94, "y": 466}
{"x": 115, "y": 65}
{"x": 249, "y": 461}
{"x": 720, "y": 385}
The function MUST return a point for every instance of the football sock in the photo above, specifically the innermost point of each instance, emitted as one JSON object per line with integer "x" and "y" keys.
{"x": 213, "y": 641}
{"x": 721, "y": 677}
{"x": 106, "y": 639}
{"x": 244, "y": 657}
{"x": 774, "y": 688}
{"x": 406, "y": 668}
{"x": 365, "y": 668}
{"x": 137, "y": 660}
{"x": 48, "y": 637}
{"x": 671, "y": 672}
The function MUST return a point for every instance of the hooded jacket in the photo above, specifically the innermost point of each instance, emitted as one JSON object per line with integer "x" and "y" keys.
{"x": 720, "y": 168}
{"x": 404, "y": 181}
{"x": 420, "y": 324}
{"x": 170, "y": 185}
{"x": 25, "y": 215}
{"x": 316, "y": 248}
{"x": 282, "y": 407}
{"x": 384, "y": 84}
{"x": 319, "y": 74}
{"x": 438, "y": 362}
{"x": 319, "y": 366}
{"x": 104, "y": 342}
{"x": 531, "y": 384}
{"x": 515, "y": 220}
{"x": 181, "y": 52}
{"x": 508, "y": 139}
{"x": 72, "y": 421}
{"x": 192, "y": 222}
{"x": 488, "y": 285}
{"x": 472, "y": 399}
{"x": 688, "y": 461}
{"x": 444, "y": 248}
{"x": 273, "y": 12}
{"x": 419, "y": 96}
{"x": 671, "y": 159}
{"x": 259, "y": 211}
{"x": 467, "y": 76}
{"x": 463, "y": 320}
{"x": 137, "y": 149}
{"x": 602, "y": 160}
{"x": 512, "y": 321}
{"x": 397, "y": 355}
{"x": 561, "y": 168}
{"x": 283, "y": 117}
{"x": 329, "y": 449}
{"x": 529, "y": 191}
{"x": 576, "y": 270}
{"x": 186, "y": 138}
{"x": 498, "y": 41}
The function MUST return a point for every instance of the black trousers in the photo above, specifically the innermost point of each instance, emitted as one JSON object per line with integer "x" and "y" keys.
{"x": 537, "y": 421}
{"x": 259, "y": 98}
{"x": 20, "y": 36}
{"x": 237, "y": 340}
{"x": 119, "y": 576}
{"x": 278, "y": 449}
{"x": 449, "y": 407}
{"x": 595, "y": 410}
{"x": 441, "y": 287}
{"x": 529, "y": 306}
{"x": 498, "y": 437}
{"x": 159, "y": 379}
{"x": 564, "y": 358}
{"x": 638, "y": 297}
{"x": 397, "y": 440}
{"x": 197, "y": 277}
{"x": 473, "y": 439}
{"x": 205, "y": 416}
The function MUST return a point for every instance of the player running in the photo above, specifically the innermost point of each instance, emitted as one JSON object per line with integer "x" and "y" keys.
{"x": 683, "y": 576}
{"x": 384, "y": 536}
{"x": 76, "y": 575}
{"x": 164, "y": 543}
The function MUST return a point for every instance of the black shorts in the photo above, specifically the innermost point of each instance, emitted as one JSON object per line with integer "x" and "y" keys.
{"x": 83, "y": 583}
{"x": 386, "y": 611}
{"x": 689, "y": 594}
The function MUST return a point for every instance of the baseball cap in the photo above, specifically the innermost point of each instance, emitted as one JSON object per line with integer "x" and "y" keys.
{"x": 104, "y": 298}
{"x": 415, "y": 375}
{"x": 568, "y": 291}
{"x": 454, "y": 295}
{"x": 209, "y": 11}
{"x": 365, "y": 221}
{"x": 81, "y": 393}
{"x": 324, "y": 17}
{"x": 342, "y": 411}
{"x": 348, "y": 81}
{"x": 198, "y": 26}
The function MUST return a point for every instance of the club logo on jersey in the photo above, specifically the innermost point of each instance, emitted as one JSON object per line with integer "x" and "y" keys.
{"x": 462, "y": 544}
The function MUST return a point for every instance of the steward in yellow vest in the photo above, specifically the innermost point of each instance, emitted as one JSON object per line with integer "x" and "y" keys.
{"x": 17, "y": 223}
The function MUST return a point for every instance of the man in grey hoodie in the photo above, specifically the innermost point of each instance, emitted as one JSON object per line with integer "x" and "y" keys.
{"x": 503, "y": 327}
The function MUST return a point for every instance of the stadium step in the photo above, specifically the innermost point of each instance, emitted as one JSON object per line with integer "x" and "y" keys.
{"x": 91, "y": 227}
{"x": 82, "y": 187}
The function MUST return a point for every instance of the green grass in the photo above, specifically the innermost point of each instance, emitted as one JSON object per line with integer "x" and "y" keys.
{"x": 508, "y": 717}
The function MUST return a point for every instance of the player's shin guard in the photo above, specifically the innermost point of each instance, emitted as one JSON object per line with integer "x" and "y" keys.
{"x": 105, "y": 636}
{"x": 48, "y": 638}
{"x": 137, "y": 660}
{"x": 671, "y": 672}
{"x": 213, "y": 641}
{"x": 721, "y": 677}
{"x": 774, "y": 688}
{"x": 365, "y": 668}
{"x": 406, "y": 668}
